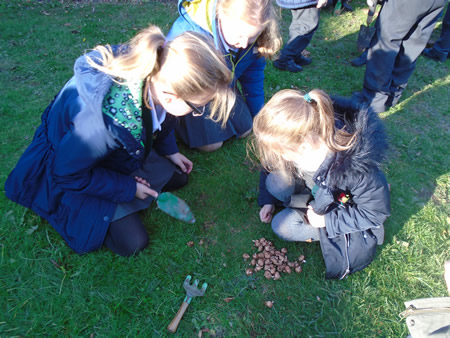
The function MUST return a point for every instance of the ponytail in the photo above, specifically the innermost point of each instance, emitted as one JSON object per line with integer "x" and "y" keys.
{"x": 290, "y": 119}
{"x": 189, "y": 63}
{"x": 335, "y": 139}
{"x": 139, "y": 61}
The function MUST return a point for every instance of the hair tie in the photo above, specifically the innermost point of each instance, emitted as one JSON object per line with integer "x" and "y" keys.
{"x": 307, "y": 98}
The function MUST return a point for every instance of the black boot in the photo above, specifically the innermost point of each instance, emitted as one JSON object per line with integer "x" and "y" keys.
{"x": 360, "y": 60}
{"x": 302, "y": 60}
{"x": 290, "y": 66}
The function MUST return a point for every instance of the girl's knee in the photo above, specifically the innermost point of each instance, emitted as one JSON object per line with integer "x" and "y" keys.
{"x": 244, "y": 135}
{"x": 279, "y": 187}
{"x": 210, "y": 147}
{"x": 281, "y": 227}
{"x": 134, "y": 246}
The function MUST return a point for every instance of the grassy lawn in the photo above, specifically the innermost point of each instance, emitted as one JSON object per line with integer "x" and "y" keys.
{"x": 47, "y": 289}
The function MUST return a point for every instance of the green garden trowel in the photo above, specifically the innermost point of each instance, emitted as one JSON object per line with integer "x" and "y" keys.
{"x": 175, "y": 207}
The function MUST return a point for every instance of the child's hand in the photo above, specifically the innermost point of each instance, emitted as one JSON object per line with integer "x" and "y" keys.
{"x": 317, "y": 221}
{"x": 143, "y": 188}
{"x": 182, "y": 161}
{"x": 265, "y": 214}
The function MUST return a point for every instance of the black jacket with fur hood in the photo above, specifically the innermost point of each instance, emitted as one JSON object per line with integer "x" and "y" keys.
{"x": 351, "y": 191}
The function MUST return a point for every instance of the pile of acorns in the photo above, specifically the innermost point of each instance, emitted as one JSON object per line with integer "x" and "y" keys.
{"x": 272, "y": 261}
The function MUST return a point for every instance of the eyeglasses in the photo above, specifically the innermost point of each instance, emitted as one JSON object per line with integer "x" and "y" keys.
{"x": 196, "y": 111}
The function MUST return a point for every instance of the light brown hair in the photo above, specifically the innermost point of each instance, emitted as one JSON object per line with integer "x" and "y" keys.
{"x": 189, "y": 63}
{"x": 259, "y": 13}
{"x": 287, "y": 121}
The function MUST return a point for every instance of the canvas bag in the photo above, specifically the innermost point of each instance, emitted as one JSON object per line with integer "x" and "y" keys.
{"x": 428, "y": 317}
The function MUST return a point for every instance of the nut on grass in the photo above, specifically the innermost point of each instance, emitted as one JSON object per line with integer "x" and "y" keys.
{"x": 249, "y": 272}
{"x": 268, "y": 303}
{"x": 272, "y": 261}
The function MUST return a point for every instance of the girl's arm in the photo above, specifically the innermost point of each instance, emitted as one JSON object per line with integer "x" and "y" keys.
{"x": 370, "y": 207}
{"x": 252, "y": 81}
{"x": 76, "y": 169}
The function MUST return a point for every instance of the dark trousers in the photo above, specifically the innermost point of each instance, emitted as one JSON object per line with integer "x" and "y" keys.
{"x": 402, "y": 31}
{"x": 443, "y": 44}
{"x": 304, "y": 23}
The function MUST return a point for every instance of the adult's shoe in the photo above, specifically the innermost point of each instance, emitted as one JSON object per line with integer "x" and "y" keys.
{"x": 290, "y": 66}
{"x": 434, "y": 54}
{"x": 360, "y": 60}
{"x": 302, "y": 60}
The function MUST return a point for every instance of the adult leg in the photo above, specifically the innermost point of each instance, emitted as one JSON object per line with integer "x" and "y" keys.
{"x": 126, "y": 236}
{"x": 304, "y": 23}
{"x": 412, "y": 46}
{"x": 394, "y": 22}
{"x": 441, "y": 48}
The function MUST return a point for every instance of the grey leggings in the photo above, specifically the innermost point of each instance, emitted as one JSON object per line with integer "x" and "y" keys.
{"x": 289, "y": 224}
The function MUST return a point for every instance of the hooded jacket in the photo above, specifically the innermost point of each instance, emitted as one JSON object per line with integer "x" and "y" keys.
{"x": 77, "y": 168}
{"x": 247, "y": 65}
{"x": 350, "y": 189}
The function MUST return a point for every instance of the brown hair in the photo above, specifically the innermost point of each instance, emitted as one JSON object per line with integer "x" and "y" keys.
{"x": 287, "y": 121}
{"x": 260, "y": 13}
{"x": 189, "y": 63}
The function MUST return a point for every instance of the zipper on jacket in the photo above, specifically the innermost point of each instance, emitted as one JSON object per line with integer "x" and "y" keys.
{"x": 347, "y": 244}
{"x": 233, "y": 65}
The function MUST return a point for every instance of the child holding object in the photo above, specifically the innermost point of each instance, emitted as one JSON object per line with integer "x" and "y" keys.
{"x": 245, "y": 32}
{"x": 106, "y": 146}
{"x": 321, "y": 161}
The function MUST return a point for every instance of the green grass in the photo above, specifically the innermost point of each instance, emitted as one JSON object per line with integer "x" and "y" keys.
{"x": 47, "y": 289}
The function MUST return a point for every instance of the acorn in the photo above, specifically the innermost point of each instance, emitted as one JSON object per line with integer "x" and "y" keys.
{"x": 258, "y": 268}
{"x": 267, "y": 254}
{"x": 298, "y": 269}
{"x": 301, "y": 259}
{"x": 249, "y": 272}
{"x": 268, "y": 275}
{"x": 287, "y": 269}
{"x": 260, "y": 262}
{"x": 276, "y": 276}
{"x": 253, "y": 262}
{"x": 268, "y": 303}
{"x": 283, "y": 250}
{"x": 245, "y": 256}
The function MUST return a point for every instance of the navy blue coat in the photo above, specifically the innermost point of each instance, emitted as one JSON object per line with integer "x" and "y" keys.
{"x": 247, "y": 65}
{"x": 77, "y": 168}
{"x": 354, "y": 172}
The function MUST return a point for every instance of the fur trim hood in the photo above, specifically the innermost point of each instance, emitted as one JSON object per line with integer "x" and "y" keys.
{"x": 367, "y": 152}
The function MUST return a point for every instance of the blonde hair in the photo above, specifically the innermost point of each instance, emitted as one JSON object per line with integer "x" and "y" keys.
{"x": 259, "y": 13}
{"x": 287, "y": 121}
{"x": 189, "y": 63}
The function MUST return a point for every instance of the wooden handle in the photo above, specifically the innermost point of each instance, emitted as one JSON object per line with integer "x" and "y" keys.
{"x": 176, "y": 320}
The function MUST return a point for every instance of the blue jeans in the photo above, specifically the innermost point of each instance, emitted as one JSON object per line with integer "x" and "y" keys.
{"x": 290, "y": 224}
